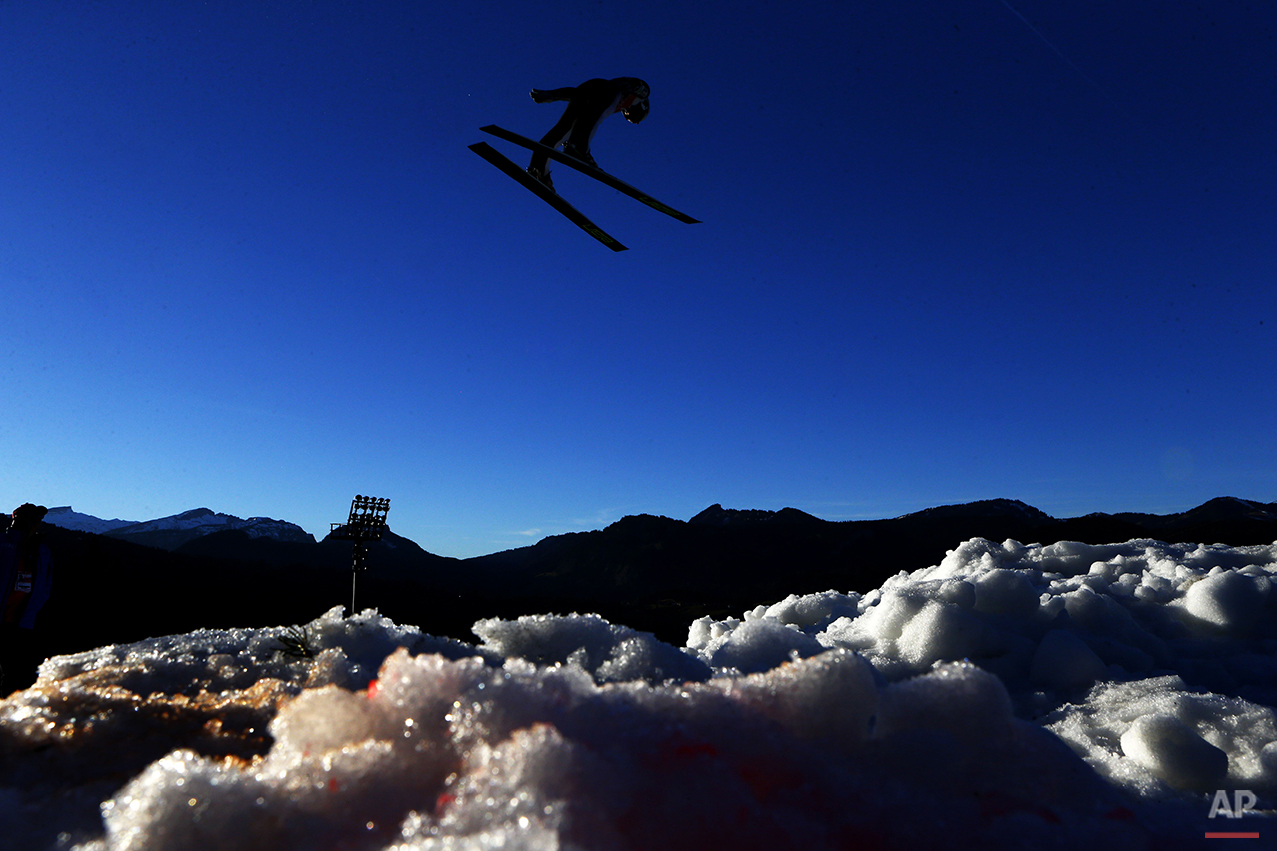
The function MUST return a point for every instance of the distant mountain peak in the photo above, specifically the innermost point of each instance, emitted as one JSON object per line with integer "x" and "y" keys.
{"x": 67, "y": 518}
{"x": 716, "y": 515}
{"x": 186, "y": 520}
{"x": 987, "y": 508}
{"x": 1231, "y": 508}
{"x": 173, "y": 531}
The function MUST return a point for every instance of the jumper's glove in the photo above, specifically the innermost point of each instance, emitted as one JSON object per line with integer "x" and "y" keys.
{"x": 539, "y": 96}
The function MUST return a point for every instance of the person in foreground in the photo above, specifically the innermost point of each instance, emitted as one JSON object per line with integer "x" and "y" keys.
{"x": 26, "y": 580}
{"x": 588, "y": 104}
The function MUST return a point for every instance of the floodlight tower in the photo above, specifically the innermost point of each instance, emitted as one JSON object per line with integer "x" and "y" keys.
{"x": 367, "y": 522}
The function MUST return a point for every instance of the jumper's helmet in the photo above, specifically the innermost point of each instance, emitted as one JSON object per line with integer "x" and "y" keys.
{"x": 637, "y": 111}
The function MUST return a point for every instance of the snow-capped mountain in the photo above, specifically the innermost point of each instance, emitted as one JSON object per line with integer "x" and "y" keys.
{"x": 171, "y": 532}
{"x": 66, "y": 518}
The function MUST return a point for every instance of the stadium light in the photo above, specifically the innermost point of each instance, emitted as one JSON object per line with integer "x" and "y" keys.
{"x": 366, "y": 524}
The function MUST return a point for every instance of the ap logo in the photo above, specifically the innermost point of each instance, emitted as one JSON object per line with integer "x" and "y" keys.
{"x": 1242, "y": 803}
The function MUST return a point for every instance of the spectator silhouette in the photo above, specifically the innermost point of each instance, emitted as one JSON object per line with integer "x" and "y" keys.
{"x": 26, "y": 579}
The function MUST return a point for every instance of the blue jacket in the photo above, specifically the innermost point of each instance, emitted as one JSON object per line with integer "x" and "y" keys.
{"x": 42, "y": 583}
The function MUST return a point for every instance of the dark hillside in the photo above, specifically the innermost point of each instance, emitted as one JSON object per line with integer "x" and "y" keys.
{"x": 651, "y": 573}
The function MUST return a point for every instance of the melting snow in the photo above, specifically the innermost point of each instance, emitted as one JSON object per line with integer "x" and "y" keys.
{"x": 1013, "y": 696}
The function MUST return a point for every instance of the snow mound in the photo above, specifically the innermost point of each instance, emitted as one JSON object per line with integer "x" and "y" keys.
{"x": 1012, "y": 696}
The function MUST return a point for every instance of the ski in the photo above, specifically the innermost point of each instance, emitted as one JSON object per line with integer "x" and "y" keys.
{"x": 585, "y": 168}
{"x": 571, "y": 213}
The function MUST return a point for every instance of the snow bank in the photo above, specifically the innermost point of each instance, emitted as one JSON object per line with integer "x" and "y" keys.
{"x": 1010, "y": 697}
{"x": 1156, "y": 663}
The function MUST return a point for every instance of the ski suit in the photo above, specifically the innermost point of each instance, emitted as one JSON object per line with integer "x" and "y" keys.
{"x": 588, "y": 104}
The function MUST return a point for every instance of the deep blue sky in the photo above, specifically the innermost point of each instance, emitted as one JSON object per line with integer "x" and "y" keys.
{"x": 948, "y": 253}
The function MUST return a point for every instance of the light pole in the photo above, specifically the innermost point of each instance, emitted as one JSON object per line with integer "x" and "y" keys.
{"x": 367, "y": 522}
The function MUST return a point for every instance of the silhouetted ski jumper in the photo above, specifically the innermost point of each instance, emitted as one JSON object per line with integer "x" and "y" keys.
{"x": 588, "y": 104}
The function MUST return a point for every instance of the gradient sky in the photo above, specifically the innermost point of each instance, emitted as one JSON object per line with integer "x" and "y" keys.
{"x": 951, "y": 251}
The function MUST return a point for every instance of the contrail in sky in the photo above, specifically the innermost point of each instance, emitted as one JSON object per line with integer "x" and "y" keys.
{"x": 1047, "y": 42}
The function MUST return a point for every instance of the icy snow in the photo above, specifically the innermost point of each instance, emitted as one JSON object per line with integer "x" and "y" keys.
{"x": 1013, "y": 696}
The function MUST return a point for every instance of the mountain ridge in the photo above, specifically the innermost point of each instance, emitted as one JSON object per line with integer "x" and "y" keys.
{"x": 178, "y": 530}
{"x": 175, "y": 530}
{"x": 652, "y": 573}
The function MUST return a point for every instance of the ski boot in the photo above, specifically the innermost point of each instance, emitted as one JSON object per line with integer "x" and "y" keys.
{"x": 583, "y": 156}
{"x": 542, "y": 175}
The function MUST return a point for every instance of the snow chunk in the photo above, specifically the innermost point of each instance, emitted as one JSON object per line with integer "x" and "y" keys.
{"x": 1004, "y": 591}
{"x": 1063, "y": 661}
{"x": 609, "y": 653}
{"x": 1173, "y": 751}
{"x": 1228, "y": 600}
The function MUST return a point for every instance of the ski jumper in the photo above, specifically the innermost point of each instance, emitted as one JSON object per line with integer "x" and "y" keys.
{"x": 588, "y": 104}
